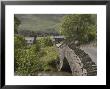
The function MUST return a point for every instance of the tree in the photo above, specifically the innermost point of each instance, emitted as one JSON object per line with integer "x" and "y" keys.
{"x": 16, "y": 24}
{"x": 79, "y": 27}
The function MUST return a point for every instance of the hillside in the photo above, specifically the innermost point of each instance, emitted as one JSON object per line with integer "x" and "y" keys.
{"x": 39, "y": 22}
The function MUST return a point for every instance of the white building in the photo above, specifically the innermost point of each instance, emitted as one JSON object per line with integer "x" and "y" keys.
{"x": 57, "y": 38}
{"x": 29, "y": 40}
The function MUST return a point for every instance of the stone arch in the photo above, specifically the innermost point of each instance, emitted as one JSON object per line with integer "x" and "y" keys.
{"x": 74, "y": 61}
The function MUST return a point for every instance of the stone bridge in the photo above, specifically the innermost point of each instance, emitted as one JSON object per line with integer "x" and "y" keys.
{"x": 74, "y": 61}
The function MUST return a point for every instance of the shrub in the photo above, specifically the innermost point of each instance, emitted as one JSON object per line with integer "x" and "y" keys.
{"x": 35, "y": 58}
{"x": 50, "y": 59}
{"x": 27, "y": 62}
{"x": 19, "y": 41}
{"x": 35, "y": 47}
{"x": 45, "y": 41}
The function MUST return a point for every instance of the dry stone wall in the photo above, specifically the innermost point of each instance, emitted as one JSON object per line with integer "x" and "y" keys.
{"x": 88, "y": 64}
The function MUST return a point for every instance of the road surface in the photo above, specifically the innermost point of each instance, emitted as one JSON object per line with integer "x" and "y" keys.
{"x": 92, "y": 52}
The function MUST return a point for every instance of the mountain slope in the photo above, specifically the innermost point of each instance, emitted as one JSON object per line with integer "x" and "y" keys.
{"x": 39, "y": 22}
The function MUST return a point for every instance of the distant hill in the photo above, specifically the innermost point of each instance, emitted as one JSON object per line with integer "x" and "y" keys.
{"x": 39, "y": 22}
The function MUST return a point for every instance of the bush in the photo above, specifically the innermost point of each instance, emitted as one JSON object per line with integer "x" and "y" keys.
{"x": 40, "y": 56}
{"x": 45, "y": 41}
{"x": 35, "y": 47}
{"x": 27, "y": 62}
{"x": 50, "y": 59}
{"x": 19, "y": 41}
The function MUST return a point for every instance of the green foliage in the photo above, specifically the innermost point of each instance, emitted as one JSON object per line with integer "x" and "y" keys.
{"x": 19, "y": 41}
{"x": 45, "y": 41}
{"x": 79, "y": 27}
{"x": 27, "y": 62}
{"x": 16, "y": 24}
{"x": 35, "y": 47}
{"x": 50, "y": 58}
{"x": 25, "y": 58}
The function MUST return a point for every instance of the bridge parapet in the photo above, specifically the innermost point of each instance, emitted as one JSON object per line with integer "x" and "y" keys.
{"x": 74, "y": 61}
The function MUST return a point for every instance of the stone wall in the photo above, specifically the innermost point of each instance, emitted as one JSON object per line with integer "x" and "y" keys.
{"x": 88, "y": 64}
{"x": 74, "y": 61}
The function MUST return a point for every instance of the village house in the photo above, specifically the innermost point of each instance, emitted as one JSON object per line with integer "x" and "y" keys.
{"x": 30, "y": 40}
{"x": 57, "y": 39}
